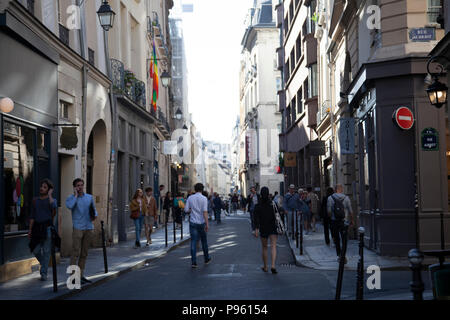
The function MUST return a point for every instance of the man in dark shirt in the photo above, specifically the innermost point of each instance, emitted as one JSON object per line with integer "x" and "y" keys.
{"x": 43, "y": 210}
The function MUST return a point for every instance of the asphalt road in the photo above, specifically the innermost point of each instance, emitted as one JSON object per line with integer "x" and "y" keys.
{"x": 235, "y": 274}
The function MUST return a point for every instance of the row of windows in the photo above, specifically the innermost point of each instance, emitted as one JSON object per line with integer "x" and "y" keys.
{"x": 130, "y": 141}
{"x": 309, "y": 25}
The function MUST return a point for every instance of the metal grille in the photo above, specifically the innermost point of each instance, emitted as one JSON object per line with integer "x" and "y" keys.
{"x": 64, "y": 34}
{"x": 91, "y": 56}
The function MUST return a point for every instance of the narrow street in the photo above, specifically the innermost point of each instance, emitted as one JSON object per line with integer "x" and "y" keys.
{"x": 235, "y": 274}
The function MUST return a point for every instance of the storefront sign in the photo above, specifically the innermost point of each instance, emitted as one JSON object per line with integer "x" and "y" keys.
{"x": 430, "y": 139}
{"x": 317, "y": 148}
{"x": 170, "y": 147}
{"x": 422, "y": 34}
{"x": 347, "y": 135}
{"x": 290, "y": 159}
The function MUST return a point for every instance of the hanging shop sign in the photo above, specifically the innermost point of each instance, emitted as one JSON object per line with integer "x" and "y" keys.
{"x": 170, "y": 147}
{"x": 430, "y": 139}
{"x": 290, "y": 159}
{"x": 347, "y": 135}
{"x": 317, "y": 148}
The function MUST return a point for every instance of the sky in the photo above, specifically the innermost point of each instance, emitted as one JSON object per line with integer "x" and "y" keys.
{"x": 212, "y": 37}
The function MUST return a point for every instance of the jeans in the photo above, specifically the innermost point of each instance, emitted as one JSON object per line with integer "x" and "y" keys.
{"x": 43, "y": 252}
{"x": 138, "y": 224}
{"x": 326, "y": 229}
{"x": 217, "y": 214}
{"x": 252, "y": 219}
{"x": 198, "y": 231}
{"x": 337, "y": 230}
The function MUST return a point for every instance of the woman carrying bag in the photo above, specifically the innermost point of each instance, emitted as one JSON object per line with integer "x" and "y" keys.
{"x": 138, "y": 209}
{"x": 268, "y": 224}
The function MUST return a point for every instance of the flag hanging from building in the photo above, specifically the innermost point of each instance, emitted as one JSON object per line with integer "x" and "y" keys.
{"x": 155, "y": 77}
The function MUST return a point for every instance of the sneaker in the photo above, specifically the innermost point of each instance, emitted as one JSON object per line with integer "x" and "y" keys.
{"x": 147, "y": 244}
{"x": 194, "y": 265}
{"x": 208, "y": 261}
{"x": 43, "y": 277}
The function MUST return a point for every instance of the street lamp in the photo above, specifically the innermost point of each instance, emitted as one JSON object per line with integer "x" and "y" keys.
{"x": 6, "y": 105}
{"x": 185, "y": 129}
{"x": 437, "y": 91}
{"x": 106, "y": 15}
{"x": 178, "y": 114}
{"x": 165, "y": 79}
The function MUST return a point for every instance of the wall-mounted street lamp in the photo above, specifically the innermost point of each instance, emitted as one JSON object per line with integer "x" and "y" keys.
{"x": 437, "y": 91}
{"x": 178, "y": 114}
{"x": 166, "y": 79}
{"x": 106, "y": 16}
{"x": 6, "y": 105}
{"x": 185, "y": 129}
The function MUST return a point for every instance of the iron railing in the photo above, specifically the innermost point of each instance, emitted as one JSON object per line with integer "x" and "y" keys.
{"x": 125, "y": 82}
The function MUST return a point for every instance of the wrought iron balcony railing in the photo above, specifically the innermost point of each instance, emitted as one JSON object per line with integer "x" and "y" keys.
{"x": 124, "y": 82}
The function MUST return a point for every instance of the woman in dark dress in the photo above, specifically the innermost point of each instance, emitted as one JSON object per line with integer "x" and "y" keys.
{"x": 266, "y": 226}
{"x": 167, "y": 205}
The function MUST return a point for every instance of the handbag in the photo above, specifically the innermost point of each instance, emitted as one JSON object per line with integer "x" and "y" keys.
{"x": 280, "y": 226}
{"x": 92, "y": 211}
{"x": 134, "y": 215}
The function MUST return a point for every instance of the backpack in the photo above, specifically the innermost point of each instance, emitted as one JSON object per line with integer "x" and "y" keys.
{"x": 180, "y": 204}
{"x": 338, "y": 209}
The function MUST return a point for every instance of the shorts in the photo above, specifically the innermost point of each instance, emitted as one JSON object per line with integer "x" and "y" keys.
{"x": 149, "y": 220}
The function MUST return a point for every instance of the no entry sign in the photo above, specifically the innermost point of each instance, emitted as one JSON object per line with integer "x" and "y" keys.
{"x": 404, "y": 118}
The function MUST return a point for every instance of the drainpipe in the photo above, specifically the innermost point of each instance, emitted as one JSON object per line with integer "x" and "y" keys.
{"x": 84, "y": 85}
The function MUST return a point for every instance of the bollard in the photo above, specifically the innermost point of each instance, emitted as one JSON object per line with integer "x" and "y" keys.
{"x": 165, "y": 229}
{"x": 342, "y": 262}
{"x": 105, "y": 259}
{"x": 292, "y": 224}
{"x": 182, "y": 222}
{"x": 415, "y": 257}
{"x": 174, "y": 231}
{"x": 360, "y": 270}
{"x": 296, "y": 229}
{"x": 55, "y": 278}
{"x": 301, "y": 233}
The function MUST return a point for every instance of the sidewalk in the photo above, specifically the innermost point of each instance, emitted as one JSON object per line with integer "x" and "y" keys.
{"x": 317, "y": 255}
{"x": 122, "y": 257}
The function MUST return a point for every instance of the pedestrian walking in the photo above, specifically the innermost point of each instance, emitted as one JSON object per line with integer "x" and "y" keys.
{"x": 197, "y": 206}
{"x": 151, "y": 215}
{"x": 217, "y": 205}
{"x": 252, "y": 201}
{"x": 160, "y": 205}
{"x": 305, "y": 211}
{"x": 43, "y": 210}
{"x": 339, "y": 209}
{"x": 234, "y": 203}
{"x": 313, "y": 201}
{"x": 266, "y": 228}
{"x": 210, "y": 207}
{"x": 324, "y": 215}
{"x": 83, "y": 214}
{"x": 291, "y": 206}
{"x": 167, "y": 206}
{"x": 138, "y": 209}
{"x": 178, "y": 206}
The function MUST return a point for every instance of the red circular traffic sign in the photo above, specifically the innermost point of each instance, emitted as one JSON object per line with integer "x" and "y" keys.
{"x": 404, "y": 118}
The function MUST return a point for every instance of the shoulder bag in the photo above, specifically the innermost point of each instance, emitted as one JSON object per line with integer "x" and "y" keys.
{"x": 280, "y": 226}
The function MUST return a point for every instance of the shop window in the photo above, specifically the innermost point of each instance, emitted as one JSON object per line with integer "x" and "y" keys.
{"x": 18, "y": 172}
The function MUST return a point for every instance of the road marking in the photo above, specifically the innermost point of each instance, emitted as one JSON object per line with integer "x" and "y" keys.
{"x": 224, "y": 275}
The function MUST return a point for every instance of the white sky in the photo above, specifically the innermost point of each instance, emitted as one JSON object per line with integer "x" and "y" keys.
{"x": 212, "y": 37}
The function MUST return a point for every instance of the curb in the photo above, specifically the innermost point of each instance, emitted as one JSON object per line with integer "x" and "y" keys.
{"x": 118, "y": 273}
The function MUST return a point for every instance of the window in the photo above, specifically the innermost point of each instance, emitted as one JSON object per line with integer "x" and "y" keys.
{"x": 279, "y": 86}
{"x": 121, "y": 133}
{"x": 291, "y": 12}
{"x": 306, "y": 89}
{"x": 288, "y": 116}
{"x": 312, "y": 79}
{"x": 298, "y": 47}
{"x": 64, "y": 110}
{"x": 299, "y": 101}
{"x": 292, "y": 61}
{"x": 286, "y": 71}
{"x": 286, "y": 26}
{"x": 434, "y": 10}
{"x": 143, "y": 143}
{"x": 294, "y": 108}
{"x": 91, "y": 57}
{"x": 131, "y": 137}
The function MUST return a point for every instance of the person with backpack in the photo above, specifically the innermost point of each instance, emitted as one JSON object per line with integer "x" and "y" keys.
{"x": 218, "y": 206}
{"x": 43, "y": 210}
{"x": 324, "y": 215}
{"x": 178, "y": 205}
{"x": 313, "y": 201}
{"x": 339, "y": 209}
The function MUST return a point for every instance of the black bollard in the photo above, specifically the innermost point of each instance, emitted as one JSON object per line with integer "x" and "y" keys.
{"x": 105, "y": 258}
{"x": 182, "y": 222}
{"x": 360, "y": 270}
{"x": 296, "y": 229}
{"x": 165, "y": 229}
{"x": 55, "y": 277}
{"x": 301, "y": 233}
{"x": 415, "y": 258}
{"x": 342, "y": 262}
{"x": 292, "y": 224}
{"x": 174, "y": 231}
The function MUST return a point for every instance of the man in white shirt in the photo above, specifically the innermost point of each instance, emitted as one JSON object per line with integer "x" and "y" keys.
{"x": 197, "y": 206}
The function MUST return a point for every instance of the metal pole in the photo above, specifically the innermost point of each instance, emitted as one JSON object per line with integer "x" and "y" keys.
{"x": 174, "y": 231}
{"x": 105, "y": 258}
{"x": 415, "y": 258}
{"x": 342, "y": 262}
{"x": 55, "y": 277}
{"x": 301, "y": 233}
{"x": 292, "y": 224}
{"x": 182, "y": 222}
{"x": 296, "y": 229}
{"x": 165, "y": 229}
{"x": 360, "y": 273}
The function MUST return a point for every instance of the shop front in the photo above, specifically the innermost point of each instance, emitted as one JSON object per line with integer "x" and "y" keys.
{"x": 29, "y": 145}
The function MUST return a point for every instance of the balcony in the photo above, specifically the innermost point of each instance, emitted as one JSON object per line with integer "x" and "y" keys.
{"x": 323, "y": 112}
{"x": 280, "y": 60}
{"x": 162, "y": 123}
{"x": 125, "y": 83}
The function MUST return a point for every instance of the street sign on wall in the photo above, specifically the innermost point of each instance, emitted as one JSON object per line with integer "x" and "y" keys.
{"x": 404, "y": 118}
{"x": 430, "y": 139}
{"x": 422, "y": 34}
{"x": 170, "y": 147}
{"x": 347, "y": 135}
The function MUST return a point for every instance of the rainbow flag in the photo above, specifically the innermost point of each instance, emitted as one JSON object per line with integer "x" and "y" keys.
{"x": 155, "y": 77}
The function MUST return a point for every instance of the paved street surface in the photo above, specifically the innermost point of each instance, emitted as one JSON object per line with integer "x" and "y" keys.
{"x": 235, "y": 274}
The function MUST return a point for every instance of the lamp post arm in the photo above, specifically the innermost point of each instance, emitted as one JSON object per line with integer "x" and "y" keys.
{"x": 434, "y": 59}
